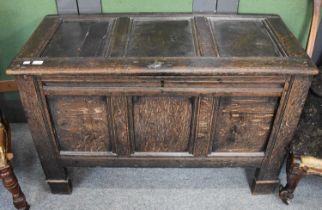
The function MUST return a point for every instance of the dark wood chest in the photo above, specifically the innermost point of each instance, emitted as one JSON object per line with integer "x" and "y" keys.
{"x": 162, "y": 90}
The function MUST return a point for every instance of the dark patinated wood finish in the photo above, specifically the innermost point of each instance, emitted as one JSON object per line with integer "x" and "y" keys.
{"x": 163, "y": 90}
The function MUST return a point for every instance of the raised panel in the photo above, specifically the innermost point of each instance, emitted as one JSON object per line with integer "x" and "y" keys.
{"x": 243, "y": 123}
{"x": 80, "y": 123}
{"x": 243, "y": 38}
{"x": 161, "y": 38}
{"x": 162, "y": 124}
{"x": 78, "y": 39}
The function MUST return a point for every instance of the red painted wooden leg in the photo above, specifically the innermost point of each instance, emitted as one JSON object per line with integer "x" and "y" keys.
{"x": 11, "y": 183}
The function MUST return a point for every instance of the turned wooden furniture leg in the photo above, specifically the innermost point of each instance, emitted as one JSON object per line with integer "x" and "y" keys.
{"x": 11, "y": 183}
{"x": 294, "y": 174}
{"x": 6, "y": 172}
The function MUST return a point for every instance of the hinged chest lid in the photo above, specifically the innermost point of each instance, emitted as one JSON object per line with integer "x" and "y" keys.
{"x": 162, "y": 44}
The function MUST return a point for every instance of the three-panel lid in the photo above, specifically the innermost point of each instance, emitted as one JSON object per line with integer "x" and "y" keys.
{"x": 162, "y": 43}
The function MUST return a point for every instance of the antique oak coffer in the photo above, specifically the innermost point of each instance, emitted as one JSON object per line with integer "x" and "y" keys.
{"x": 162, "y": 90}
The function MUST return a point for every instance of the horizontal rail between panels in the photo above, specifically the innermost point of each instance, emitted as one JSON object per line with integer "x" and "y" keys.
{"x": 160, "y": 161}
{"x": 137, "y": 91}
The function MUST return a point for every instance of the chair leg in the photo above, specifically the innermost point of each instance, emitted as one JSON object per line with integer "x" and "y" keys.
{"x": 11, "y": 183}
{"x": 294, "y": 174}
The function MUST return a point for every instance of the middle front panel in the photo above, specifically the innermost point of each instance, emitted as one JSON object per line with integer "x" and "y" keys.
{"x": 162, "y": 124}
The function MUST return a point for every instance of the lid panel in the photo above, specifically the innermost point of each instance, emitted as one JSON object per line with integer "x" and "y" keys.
{"x": 162, "y": 37}
{"x": 243, "y": 38}
{"x": 159, "y": 37}
{"x": 162, "y": 44}
{"x": 78, "y": 39}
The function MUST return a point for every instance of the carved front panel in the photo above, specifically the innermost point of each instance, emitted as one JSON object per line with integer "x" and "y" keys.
{"x": 162, "y": 124}
{"x": 243, "y": 124}
{"x": 80, "y": 123}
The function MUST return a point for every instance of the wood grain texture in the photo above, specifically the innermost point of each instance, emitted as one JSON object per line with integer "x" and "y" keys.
{"x": 45, "y": 143}
{"x": 162, "y": 124}
{"x": 285, "y": 131}
{"x": 120, "y": 125}
{"x": 167, "y": 162}
{"x": 163, "y": 95}
{"x": 141, "y": 80}
{"x": 206, "y": 108}
{"x": 80, "y": 123}
{"x": 78, "y": 39}
{"x": 207, "y": 46}
{"x": 120, "y": 37}
{"x": 40, "y": 37}
{"x": 161, "y": 38}
{"x": 166, "y": 66}
{"x": 162, "y": 91}
{"x": 287, "y": 40}
{"x": 243, "y": 124}
{"x": 282, "y": 132}
{"x": 243, "y": 38}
